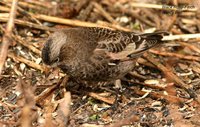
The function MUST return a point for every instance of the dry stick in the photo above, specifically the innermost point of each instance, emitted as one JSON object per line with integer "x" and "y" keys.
{"x": 145, "y": 62}
{"x": 40, "y": 3}
{"x": 118, "y": 27}
{"x": 136, "y": 16}
{"x": 104, "y": 99}
{"x": 189, "y": 21}
{"x": 75, "y": 22}
{"x": 65, "y": 21}
{"x": 157, "y": 87}
{"x": 27, "y": 5}
{"x": 170, "y": 98}
{"x": 182, "y": 36}
{"x": 22, "y": 42}
{"x": 192, "y": 47}
{"x": 2, "y": 8}
{"x": 161, "y": 7}
{"x": 126, "y": 121}
{"x": 8, "y": 122}
{"x": 163, "y": 53}
{"x": 4, "y": 15}
{"x": 29, "y": 24}
{"x": 104, "y": 13}
{"x": 39, "y": 99}
{"x": 81, "y": 4}
{"x": 29, "y": 46}
{"x": 25, "y": 61}
{"x": 170, "y": 74}
{"x": 25, "y": 13}
{"x": 7, "y": 38}
{"x": 29, "y": 103}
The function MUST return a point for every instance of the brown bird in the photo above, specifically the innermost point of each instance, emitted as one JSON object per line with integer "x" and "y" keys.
{"x": 97, "y": 54}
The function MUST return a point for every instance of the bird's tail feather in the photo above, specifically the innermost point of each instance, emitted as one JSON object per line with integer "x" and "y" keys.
{"x": 147, "y": 41}
{"x": 156, "y": 35}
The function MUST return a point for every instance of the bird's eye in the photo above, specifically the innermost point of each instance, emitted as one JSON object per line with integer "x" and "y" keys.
{"x": 56, "y": 60}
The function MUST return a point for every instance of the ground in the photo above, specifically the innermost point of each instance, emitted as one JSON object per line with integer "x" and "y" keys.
{"x": 162, "y": 90}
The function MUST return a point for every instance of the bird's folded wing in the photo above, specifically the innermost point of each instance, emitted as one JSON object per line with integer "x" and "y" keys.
{"x": 128, "y": 45}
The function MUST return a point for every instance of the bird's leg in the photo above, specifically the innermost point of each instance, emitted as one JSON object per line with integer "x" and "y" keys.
{"x": 116, "y": 92}
{"x": 118, "y": 84}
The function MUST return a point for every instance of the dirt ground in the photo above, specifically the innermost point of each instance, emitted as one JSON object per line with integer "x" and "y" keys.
{"x": 162, "y": 91}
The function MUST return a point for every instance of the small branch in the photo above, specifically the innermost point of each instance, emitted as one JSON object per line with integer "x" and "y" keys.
{"x": 73, "y": 22}
{"x": 103, "y": 12}
{"x": 163, "y": 53}
{"x": 46, "y": 93}
{"x": 22, "y": 42}
{"x": 63, "y": 111}
{"x": 126, "y": 121}
{"x": 192, "y": 47}
{"x": 104, "y": 99}
{"x": 25, "y": 61}
{"x": 29, "y": 24}
{"x": 136, "y": 16}
{"x": 25, "y": 44}
{"x": 29, "y": 5}
{"x": 5, "y": 9}
{"x": 145, "y": 62}
{"x": 114, "y": 26}
{"x": 160, "y": 7}
{"x": 147, "y": 85}
{"x": 170, "y": 98}
{"x": 182, "y": 36}
{"x": 170, "y": 74}
{"x": 7, "y": 38}
{"x": 65, "y": 21}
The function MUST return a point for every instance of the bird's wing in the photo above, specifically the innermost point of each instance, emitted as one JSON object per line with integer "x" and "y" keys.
{"x": 124, "y": 45}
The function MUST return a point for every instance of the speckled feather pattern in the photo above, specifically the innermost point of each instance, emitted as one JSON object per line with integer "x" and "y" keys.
{"x": 97, "y": 54}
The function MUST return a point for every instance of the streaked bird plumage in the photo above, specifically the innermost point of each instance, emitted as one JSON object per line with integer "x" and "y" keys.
{"x": 97, "y": 54}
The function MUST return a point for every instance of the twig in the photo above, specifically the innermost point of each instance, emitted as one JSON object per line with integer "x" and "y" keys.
{"x": 115, "y": 26}
{"x": 29, "y": 5}
{"x": 29, "y": 46}
{"x": 182, "y": 36}
{"x": 27, "y": 62}
{"x": 75, "y": 22}
{"x": 104, "y": 99}
{"x": 39, "y": 99}
{"x": 18, "y": 39}
{"x": 2, "y": 8}
{"x": 189, "y": 21}
{"x": 4, "y": 15}
{"x": 104, "y": 13}
{"x": 7, "y": 38}
{"x": 161, "y": 7}
{"x": 63, "y": 111}
{"x": 65, "y": 21}
{"x": 126, "y": 121}
{"x": 136, "y": 16}
{"x": 29, "y": 103}
{"x": 81, "y": 4}
{"x": 29, "y": 24}
{"x": 145, "y": 62}
{"x": 170, "y": 74}
{"x": 163, "y": 53}
{"x": 147, "y": 85}
{"x": 136, "y": 75}
{"x": 8, "y": 122}
{"x": 25, "y": 13}
{"x": 170, "y": 98}
{"x": 192, "y": 47}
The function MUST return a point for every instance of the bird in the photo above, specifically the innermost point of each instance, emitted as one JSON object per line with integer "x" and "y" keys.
{"x": 97, "y": 54}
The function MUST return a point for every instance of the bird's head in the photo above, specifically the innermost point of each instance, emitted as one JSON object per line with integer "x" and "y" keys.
{"x": 51, "y": 49}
